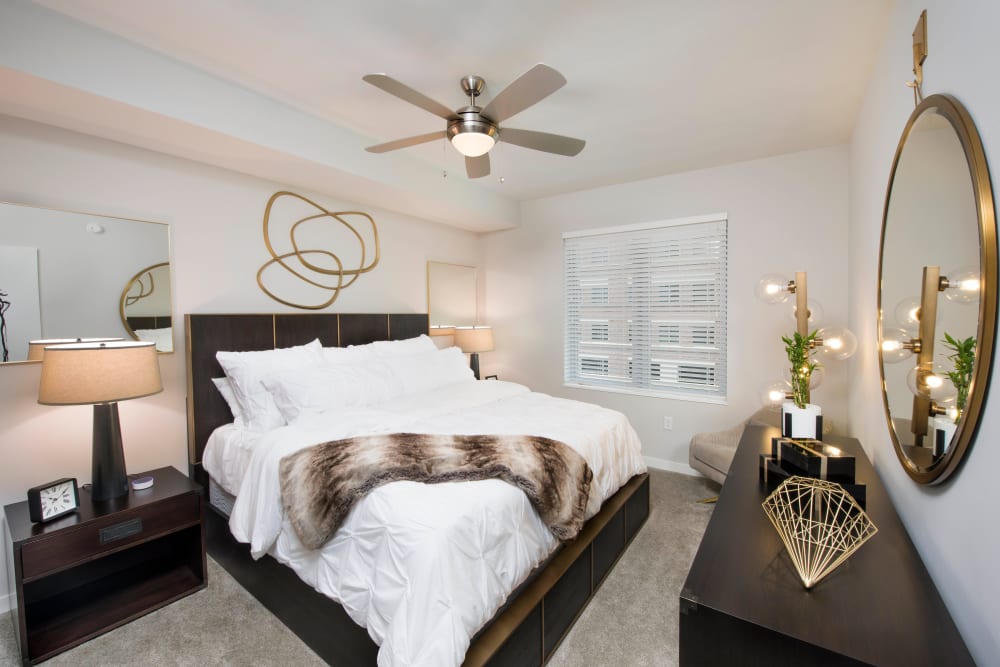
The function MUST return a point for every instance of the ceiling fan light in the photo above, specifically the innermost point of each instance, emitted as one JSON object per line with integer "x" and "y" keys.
{"x": 473, "y": 143}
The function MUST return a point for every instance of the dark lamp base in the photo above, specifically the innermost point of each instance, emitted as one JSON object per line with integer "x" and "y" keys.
{"x": 108, "y": 479}
{"x": 474, "y": 363}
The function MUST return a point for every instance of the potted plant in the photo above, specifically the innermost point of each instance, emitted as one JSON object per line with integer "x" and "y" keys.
{"x": 963, "y": 358}
{"x": 800, "y": 418}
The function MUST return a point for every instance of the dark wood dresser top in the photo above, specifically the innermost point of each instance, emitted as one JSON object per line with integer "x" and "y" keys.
{"x": 880, "y": 607}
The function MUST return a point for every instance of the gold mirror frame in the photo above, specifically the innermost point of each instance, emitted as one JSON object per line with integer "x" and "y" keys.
{"x": 960, "y": 120}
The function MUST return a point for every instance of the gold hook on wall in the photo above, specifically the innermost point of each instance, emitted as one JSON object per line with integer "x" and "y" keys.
{"x": 919, "y": 56}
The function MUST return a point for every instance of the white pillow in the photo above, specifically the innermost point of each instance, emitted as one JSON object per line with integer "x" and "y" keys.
{"x": 352, "y": 354}
{"x": 245, "y": 371}
{"x": 428, "y": 370}
{"x": 226, "y": 389}
{"x": 394, "y": 348}
{"x": 162, "y": 338}
{"x": 328, "y": 386}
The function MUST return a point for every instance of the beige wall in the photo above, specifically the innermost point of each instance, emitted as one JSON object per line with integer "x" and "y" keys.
{"x": 786, "y": 214}
{"x": 952, "y": 525}
{"x": 215, "y": 230}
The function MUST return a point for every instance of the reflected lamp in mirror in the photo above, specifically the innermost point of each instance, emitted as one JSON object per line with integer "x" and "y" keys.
{"x": 939, "y": 385}
{"x": 101, "y": 374}
{"x": 442, "y": 335}
{"x": 472, "y": 341}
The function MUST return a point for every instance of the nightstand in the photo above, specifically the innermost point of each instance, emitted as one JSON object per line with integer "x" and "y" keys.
{"x": 109, "y": 563}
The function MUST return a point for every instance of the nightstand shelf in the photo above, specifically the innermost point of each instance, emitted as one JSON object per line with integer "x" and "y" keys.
{"x": 109, "y": 564}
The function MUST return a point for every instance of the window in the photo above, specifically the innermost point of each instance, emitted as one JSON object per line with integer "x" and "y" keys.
{"x": 646, "y": 308}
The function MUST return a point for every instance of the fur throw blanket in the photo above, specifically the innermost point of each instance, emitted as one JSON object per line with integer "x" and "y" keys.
{"x": 320, "y": 484}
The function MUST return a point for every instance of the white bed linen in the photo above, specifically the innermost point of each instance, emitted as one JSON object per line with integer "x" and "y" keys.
{"x": 402, "y": 563}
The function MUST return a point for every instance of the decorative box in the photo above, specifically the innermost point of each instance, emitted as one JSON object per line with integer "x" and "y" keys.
{"x": 773, "y": 472}
{"x": 813, "y": 458}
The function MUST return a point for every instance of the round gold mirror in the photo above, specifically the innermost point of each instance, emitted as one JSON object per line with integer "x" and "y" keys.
{"x": 937, "y": 289}
{"x": 145, "y": 306}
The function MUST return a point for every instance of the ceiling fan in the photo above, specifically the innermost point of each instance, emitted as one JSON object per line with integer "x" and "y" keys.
{"x": 474, "y": 130}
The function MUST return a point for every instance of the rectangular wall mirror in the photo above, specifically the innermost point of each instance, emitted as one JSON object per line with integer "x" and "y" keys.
{"x": 64, "y": 274}
{"x": 452, "y": 294}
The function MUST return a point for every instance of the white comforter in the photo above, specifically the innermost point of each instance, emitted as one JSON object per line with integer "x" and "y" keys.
{"x": 424, "y": 567}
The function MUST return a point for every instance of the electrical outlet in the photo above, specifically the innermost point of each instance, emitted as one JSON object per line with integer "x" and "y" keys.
{"x": 668, "y": 423}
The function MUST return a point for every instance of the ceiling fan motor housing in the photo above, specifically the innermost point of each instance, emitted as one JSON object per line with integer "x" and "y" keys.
{"x": 470, "y": 120}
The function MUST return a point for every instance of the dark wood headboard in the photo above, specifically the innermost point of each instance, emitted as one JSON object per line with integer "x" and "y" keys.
{"x": 204, "y": 335}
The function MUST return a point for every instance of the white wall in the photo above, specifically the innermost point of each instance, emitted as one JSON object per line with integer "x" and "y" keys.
{"x": 215, "y": 228}
{"x": 786, "y": 214}
{"x": 953, "y": 525}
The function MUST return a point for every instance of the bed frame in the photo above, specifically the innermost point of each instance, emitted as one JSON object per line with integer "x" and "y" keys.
{"x": 525, "y": 631}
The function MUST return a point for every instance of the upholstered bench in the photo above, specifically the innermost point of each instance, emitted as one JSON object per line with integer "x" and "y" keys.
{"x": 712, "y": 453}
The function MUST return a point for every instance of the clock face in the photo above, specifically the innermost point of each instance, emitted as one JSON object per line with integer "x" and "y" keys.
{"x": 57, "y": 499}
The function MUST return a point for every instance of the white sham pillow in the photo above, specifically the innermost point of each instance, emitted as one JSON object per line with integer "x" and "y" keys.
{"x": 396, "y": 348}
{"x": 226, "y": 389}
{"x": 429, "y": 370}
{"x": 328, "y": 386}
{"x": 352, "y": 354}
{"x": 245, "y": 371}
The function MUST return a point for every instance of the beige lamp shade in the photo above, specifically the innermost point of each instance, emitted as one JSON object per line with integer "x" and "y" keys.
{"x": 36, "y": 348}
{"x": 106, "y": 372}
{"x": 474, "y": 339}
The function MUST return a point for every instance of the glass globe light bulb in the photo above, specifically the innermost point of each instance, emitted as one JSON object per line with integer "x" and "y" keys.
{"x": 772, "y": 395}
{"x": 838, "y": 343}
{"x": 892, "y": 345}
{"x": 907, "y": 313}
{"x": 963, "y": 286}
{"x": 773, "y": 288}
{"x": 932, "y": 383}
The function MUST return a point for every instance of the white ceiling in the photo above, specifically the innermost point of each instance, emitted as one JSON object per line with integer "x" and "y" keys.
{"x": 655, "y": 86}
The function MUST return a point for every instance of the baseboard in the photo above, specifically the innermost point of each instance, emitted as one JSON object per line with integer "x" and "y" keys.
{"x": 672, "y": 466}
{"x": 6, "y": 603}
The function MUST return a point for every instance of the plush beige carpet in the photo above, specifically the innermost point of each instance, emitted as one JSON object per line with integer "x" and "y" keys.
{"x": 632, "y": 619}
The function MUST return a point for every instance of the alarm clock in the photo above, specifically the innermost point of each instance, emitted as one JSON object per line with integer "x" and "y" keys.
{"x": 53, "y": 500}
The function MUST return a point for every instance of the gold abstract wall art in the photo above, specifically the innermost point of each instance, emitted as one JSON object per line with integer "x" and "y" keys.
{"x": 319, "y": 267}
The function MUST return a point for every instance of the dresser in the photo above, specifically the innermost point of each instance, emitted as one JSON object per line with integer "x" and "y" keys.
{"x": 744, "y": 604}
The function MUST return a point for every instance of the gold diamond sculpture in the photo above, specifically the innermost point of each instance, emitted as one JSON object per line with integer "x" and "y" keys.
{"x": 820, "y": 524}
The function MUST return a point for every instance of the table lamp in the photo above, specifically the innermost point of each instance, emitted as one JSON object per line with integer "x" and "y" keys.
{"x": 36, "y": 348}
{"x": 474, "y": 340}
{"x": 101, "y": 374}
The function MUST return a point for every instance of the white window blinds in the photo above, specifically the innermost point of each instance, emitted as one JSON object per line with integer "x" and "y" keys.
{"x": 646, "y": 308}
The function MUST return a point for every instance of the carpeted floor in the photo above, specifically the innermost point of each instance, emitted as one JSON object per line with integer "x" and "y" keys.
{"x": 632, "y": 619}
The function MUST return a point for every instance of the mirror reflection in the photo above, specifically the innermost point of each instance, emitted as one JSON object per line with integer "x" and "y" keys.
{"x": 63, "y": 272}
{"x": 451, "y": 295}
{"x": 145, "y": 307}
{"x": 933, "y": 292}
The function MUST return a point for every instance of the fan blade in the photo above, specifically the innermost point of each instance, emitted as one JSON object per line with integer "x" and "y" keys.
{"x": 477, "y": 167}
{"x": 404, "y": 92}
{"x": 542, "y": 141}
{"x": 530, "y": 88}
{"x": 407, "y": 142}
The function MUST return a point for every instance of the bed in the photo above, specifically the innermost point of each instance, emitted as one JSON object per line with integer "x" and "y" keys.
{"x": 546, "y": 598}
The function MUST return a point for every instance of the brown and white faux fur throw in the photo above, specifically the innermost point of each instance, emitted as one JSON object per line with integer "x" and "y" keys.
{"x": 320, "y": 484}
